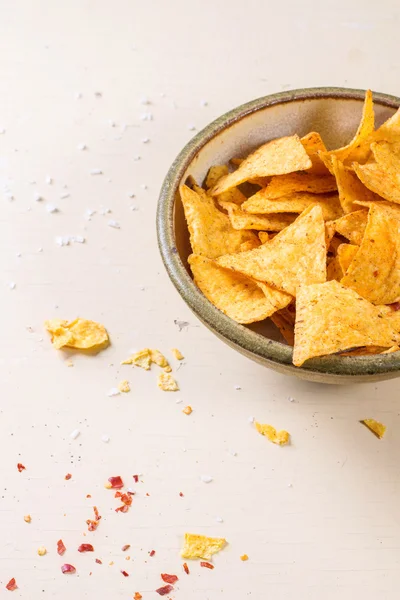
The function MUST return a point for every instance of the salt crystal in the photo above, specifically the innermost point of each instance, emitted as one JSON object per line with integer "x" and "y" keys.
{"x": 219, "y": 519}
{"x": 131, "y": 195}
{"x": 133, "y": 207}
{"x": 96, "y": 172}
{"x": 204, "y": 103}
{"x": 291, "y": 399}
{"x": 144, "y": 100}
{"x": 191, "y": 127}
{"x": 18, "y": 255}
{"x": 111, "y": 123}
{"x": 89, "y": 212}
{"x": 82, "y": 147}
{"x": 290, "y": 484}
{"x": 49, "y": 180}
{"x": 40, "y": 249}
{"x": 78, "y": 95}
{"x": 105, "y": 211}
{"x": 178, "y": 401}
{"x": 105, "y": 438}
{"x": 145, "y": 140}
{"x": 251, "y": 419}
{"x": 146, "y": 117}
{"x": 65, "y": 195}
{"x": 113, "y": 392}
{"x": 51, "y": 208}
{"x": 74, "y": 434}
{"x": 37, "y": 197}
{"x": 9, "y": 196}
{"x": 12, "y": 285}
{"x": 137, "y": 157}
{"x": 237, "y": 387}
{"x": 206, "y": 478}
{"x": 114, "y": 224}
{"x": 232, "y": 452}
{"x": 143, "y": 186}
{"x": 2, "y": 131}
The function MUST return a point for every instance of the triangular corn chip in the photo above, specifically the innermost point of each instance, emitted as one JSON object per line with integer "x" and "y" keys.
{"x": 377, "y": 428}
{"x": 80, "y": 333}
{"x": 313, "y": 144}
{"x": 392, "y": 313}
{"x": 296, "y": 203}
{"x": 352, "y": 226}
{"x": 277, "y": 157}
{"x": 380, "y": 181}
{"x": 211, "y": 232}
{"x": 285, "y": 326}
{"x": 243, "y": 220}
{"x": 200, "y": 546}
{"x": 233, "y": 195}
{"x": 389, "y": 130}
{"x": 375, "y": 270}
{"x": 241, "y": 298}
{"x": 214, "y": 174}
{"x": 349, "y": 186}
{"x": 345, "y": 254}
{"x": 331, "y": 318}
{"x": 334, "y": 270}
{"x": 303, "y": 181}
{"x": 295, "y": 255}
{"x": 263, "y": 236}
{"x": 387, "y": 156}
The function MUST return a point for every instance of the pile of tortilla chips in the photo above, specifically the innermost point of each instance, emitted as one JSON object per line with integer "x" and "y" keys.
{"x": 307, "y": 237}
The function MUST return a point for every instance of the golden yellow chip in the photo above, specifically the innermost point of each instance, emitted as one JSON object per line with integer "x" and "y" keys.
{"x": 387, "y": 156}
{"x": 285, "y": 326}
{"x": 352, "y": 226}
{"x": 303, "y": 181}
{"x": 167, "y": 383}
{"x": 375, "y": 270}
{"x": 313, "y": 145}
{"x": 249, "y": 245}
{"x": 294, "y": 256}
{"x": 159, "y": 359}
{"x": 214, "y": 174}
{"x": 263, "y": 236}
{"x": 243, "y": 220}
{"x": 377, "y": 428}
{"x": 80, "y": 333}
{"x": 379, "y": 181}
{"x": 124, "y": 386}
{"x": 390, "y": 350}
{"x": 345, "y": 255}
{"x": 280, "y": 156}
{"x": 334, "y": 270}
{"x": 390, "y": 130}
{"x": 331, "y": 318}
{"x": 294, "y": 203}
{"x": 177, "y": 354}
{"x": 201, "y": 546}
{"x": 244, "y": 557}
{"x": 281, "y": 437}
{"x": 140, "y": 359}
{"x": 187, "y": 410}
{"x": 349, "y": 186}
{"x": 365, "y": 351}
{"x": 211, "y": 232}
{"x": 240, "y": 298}
{"x": 236, "y": 161}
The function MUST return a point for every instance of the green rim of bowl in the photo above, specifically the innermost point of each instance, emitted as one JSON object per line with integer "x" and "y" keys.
{"x": 254, "y": 344}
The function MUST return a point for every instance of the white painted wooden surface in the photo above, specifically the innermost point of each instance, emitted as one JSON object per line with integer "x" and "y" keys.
{"x": 319, "y": 519}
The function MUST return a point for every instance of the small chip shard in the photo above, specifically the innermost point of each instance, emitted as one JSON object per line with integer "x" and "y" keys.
{"x": 376, "y": 427}
{"x": 124, "y": 386}
{"x": 42, "y": 551}
{"x": 281, "y": 437}
{"x": 27, "y": 518}
{"x": 177, "y": 354}
{"x": 244, "y": 557}
{"x": 81, "y": 334}
{"x": 201, "y": 546}
{"x": 167, "y": 383}
{"x": 187, "y": 410}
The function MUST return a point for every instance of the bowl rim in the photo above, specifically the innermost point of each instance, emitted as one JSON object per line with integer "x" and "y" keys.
{"x": 237, "y": 335}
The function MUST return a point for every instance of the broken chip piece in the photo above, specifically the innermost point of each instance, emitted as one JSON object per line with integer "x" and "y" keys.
{"x": 177, "y": 354}
{"x": 80, "y": 333}
{"x": 124, "y": 386}
{"x": 167, "y": 383}
{"x": 281, "y": 437}
{"x": 201, "y": 546}
{"x": 375, "y": 426}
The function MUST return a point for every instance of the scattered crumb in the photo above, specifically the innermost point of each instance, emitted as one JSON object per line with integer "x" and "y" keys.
{"x": 281, "y": 437}
{"x": 37, "y": 197}
{"x": 219, "y": 519}
{"x": 27, "y": 518}
{"x": 42, "y": 551}
{"x": 124, "y": 386}
{"x": 181, "y": 324}
{"x": 146, "y": 116}
{"x": 167, "y": 383}
{"x": 376, "y": 427}
{"x": 201, "y": 546}
{"x": 177, "y": 354}
{"x": 64, "y": 195}
{"x": 69, "y": 363}
{"x": 251, "y": 419}
{"x": 191, "y": 127}
{"x": 244, "y": 557}
{"x": 187, "y": 410}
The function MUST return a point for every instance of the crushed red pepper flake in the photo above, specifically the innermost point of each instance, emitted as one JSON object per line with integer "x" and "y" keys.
{"x": 206, "y": 564}
{"x": 21, "y": 467}
{"x": 181, "y": 495}
{"x": 99, "y": 562}
{"x": 86, "y": 548}
{"x": 12, "y": 585}
{"x": 125, "y": 548}
{"x": 92, "y": 525}
{"x": 152, "y": 553}
{"x": 136, "y": 478}
{"x": 137, "y": 596}
{"x": 186, "y": 568}
{"x": 68, "y": 569}
{"x": 125, "y": 574}
{"x": 124, "y": 508}
{"x": 169, "y": 578}
{"x": 88, "y": 495}
{"x": 166, "y": 589}
{"x": 68, "y": 476}
{"x": 116, "y": 482}
{"x": 60, "y": 547}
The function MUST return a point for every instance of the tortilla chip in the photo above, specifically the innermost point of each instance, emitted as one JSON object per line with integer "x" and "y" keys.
{"x": 243, "y": 220}
{"x": 387, "y": 156}
{"x": 294, "y": 203}
{"x": 177, "y": 354}
{"x": 345, "y": 255}
{"x": 313, "y": 145}
{"x": 364, "y": 351}
{"x": 80, "y": 334}
{"x": 249, "y": 245}
{"x": 389, "y": 130}
{"x": 211, "y": 233}
{"x": 329, "y": 232}
{"x": 201, "y": 546}
{"x": 349, "y": 186}
{"x": 167, "y": 383}
{"x": 375, "y": 178}
{"x": 295, "y": 255}
{"x": 375, "y": 270}
{"x": 281, "y": 437}
{"x": 263, "y": 236}
{"x": 334, "y": 269}
{"x": 392, "y": 313}
{"x": 214, "y": 174}
{"x": 140, "y": 359}
{"x": 277, "y": 157}
{"x": 377, "y": 428}
{"x": 391, "y": 350}
{"x": 124, "y": 386}
{"x": 352, "y": 226}
{"x": 285, "y": 326}
{"x": 331, "y": 318}
{"x": 240, "y": 298}
{"x": 236, "y": 162}
{"x": 393, "y": 209}
{"x": 303, "y": 181}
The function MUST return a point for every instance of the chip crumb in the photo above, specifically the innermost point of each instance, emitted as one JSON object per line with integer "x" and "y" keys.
{"x": 167, "y": 383}
{"x": 177, "y": 354}
{"x": 376, "y": 427}
{"x": 244, "y": 557}
{"x": 69, "y": 363}
{"x": 187, "y": 410}
{"x": 124, "y": 386}
{"x": 137, "y": 596}
{"x": 81, "y": 334}
{"x": 201, "y": 546}
{"x": 27, "y": 518}
{"x": 42, "y": 551}
{"x": 281, "y": 437}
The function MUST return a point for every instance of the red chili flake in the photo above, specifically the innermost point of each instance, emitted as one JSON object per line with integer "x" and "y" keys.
{"x": 21, "y": 467}
{"x": 123, "y": 508}
{"x": 137, "y": 596}
{"x": 92, "y": 525}
{"x": 186, "y": 568}
{"x": 68, "y": 569}
{"x": 60, "y": 547}
{"x": 68, "y": 476}
{"x": 169, "y": 578}
{"x": 136, "y": 478}
{"x": 88, "y": 495}
{"x": 116, "y": 482}
{"x": 125, "y": 574}
{"x": 152, "y": 553}
{"x": 395, "y": 306}
{"x": 11, "y": 585}
{"x": 207, "y": 565}
{"x": 147, "y": 494}
{"x": 96, "y": 513}
{"x": 86, "y": 548}
{"x": 99, "y": 562}
{"x": 166, "y": 589}
{"x": 181, "y": 495}
{"x": 125, "y": 548}
{"x": 375, "y": 273}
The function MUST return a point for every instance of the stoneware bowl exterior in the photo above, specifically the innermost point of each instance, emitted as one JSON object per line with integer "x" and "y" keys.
{"x": 335, "y": 114}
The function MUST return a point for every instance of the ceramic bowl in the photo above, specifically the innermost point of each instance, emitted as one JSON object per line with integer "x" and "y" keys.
{"x": 335, "y": 114}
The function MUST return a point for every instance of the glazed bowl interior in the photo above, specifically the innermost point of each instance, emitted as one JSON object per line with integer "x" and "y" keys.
{"x": 335, "y": 114}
